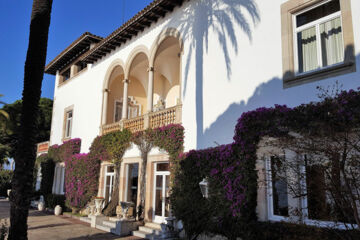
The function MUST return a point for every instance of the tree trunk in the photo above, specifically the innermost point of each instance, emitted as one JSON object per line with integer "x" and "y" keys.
{"x": 110, "y": 209}
{"x": 141, "y": 208}
{"x": 26, "y": 149}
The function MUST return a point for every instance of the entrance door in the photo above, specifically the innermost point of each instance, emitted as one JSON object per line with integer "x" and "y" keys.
{"x": 109, "y": 182}
{"x": 161, "y": 201}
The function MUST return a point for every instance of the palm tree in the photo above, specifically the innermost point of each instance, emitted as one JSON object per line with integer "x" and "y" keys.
{"x": 2, "y": 112}
{"x": 196, "y": 22}
{"x": 26, "y": 151}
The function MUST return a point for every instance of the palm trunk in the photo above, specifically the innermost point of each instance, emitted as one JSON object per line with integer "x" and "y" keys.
{"x": 26, "y": 149}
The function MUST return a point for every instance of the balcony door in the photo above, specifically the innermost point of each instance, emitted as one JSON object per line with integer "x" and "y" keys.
{"x": 161, "y": 201}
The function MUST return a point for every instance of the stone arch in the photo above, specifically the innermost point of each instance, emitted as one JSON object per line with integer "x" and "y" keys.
{"x": 166, "y": 33}
{"x": 112, "y": 90}
{"x": 109, "y": 71}
{"x": 136, "y": 51}
{"x": 166, "y": 60}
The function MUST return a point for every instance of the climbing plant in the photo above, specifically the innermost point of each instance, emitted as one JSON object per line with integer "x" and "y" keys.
{"x": 231, "y": 169}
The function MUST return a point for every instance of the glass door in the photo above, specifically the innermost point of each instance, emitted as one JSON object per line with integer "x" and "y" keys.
{"x": 109, "y": 182}
{"x": 161, "y": 201}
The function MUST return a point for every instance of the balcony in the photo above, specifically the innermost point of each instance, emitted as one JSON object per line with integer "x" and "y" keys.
{"x": 150, "y": 120}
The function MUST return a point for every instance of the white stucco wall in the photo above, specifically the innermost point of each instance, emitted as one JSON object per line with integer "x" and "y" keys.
{"x": 250, "y": 78}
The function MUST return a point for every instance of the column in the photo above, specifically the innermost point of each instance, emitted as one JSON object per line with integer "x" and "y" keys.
{"x": 150, "y": 90}
{"x": 105, "y": 103}
{"x": 125, "y": 100}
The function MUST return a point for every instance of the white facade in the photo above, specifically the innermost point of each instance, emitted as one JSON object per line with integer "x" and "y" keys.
{"x": 231, "y": 68}
{"x": 231, "y": 62}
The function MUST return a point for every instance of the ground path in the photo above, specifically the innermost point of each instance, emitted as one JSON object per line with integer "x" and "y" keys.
{"x": 47, "y": 227}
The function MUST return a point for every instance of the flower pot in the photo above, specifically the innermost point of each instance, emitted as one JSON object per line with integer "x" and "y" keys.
{"x": 58, "y": 210}
{"x": 41, "y": 206}
{"x": 99, "y": 206}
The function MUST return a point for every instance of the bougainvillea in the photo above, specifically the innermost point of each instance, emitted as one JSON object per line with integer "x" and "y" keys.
{"x": 81, "y": 180}
{"x": 231, "y": 168}
{"x": 60, "y": 153}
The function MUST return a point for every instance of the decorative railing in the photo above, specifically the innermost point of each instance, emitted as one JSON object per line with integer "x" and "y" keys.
{"x": 111, "y": 127}
{"x": 134, "y": 124}
{"x": 150, "y": 120}
{"x": 162, "y": 118}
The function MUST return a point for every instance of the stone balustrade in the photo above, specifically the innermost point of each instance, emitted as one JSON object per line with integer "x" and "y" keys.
{"x": 150, "y": 120}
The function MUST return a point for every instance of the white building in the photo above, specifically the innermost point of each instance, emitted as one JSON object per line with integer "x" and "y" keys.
{"x": 201, "y": 63}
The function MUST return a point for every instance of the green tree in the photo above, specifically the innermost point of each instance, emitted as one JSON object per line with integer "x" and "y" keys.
{"x": 26, "y": 150}
{"x": 9, "y": 135}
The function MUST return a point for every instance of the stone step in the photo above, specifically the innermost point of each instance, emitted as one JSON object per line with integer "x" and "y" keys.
{"x": 103, "y": 228}
{"x": 153, "y": 225}
{"x": 149, "y": 230}
{"x": 146, "y": 235}
{"x": 111, "y": 224}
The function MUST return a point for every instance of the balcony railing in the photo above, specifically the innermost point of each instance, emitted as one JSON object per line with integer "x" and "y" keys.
{"x": 150, "y": 120}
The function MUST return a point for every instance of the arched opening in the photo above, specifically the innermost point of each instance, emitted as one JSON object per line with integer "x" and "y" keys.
{"x": 115, "y": 92}
{"x": 138, "y": 77}
{"x": 167, "y": 74}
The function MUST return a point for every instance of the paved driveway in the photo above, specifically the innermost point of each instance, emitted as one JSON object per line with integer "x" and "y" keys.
{"x": 42, "y": 226}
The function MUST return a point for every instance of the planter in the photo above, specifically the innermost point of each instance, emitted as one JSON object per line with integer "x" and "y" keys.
{"x": 41, "y": 206}
{"x": 58, "y": 210}
{"x": 99, "y": 206}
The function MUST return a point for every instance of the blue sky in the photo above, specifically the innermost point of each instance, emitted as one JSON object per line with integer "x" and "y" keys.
{"x": 69, "y": 19}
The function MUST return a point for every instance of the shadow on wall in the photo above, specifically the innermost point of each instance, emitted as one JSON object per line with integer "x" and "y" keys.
{"x": 221, "y": 17}
{"x": 266, "y": 95}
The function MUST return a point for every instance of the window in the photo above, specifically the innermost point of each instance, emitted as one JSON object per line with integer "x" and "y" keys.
{"x": 117, "y": 110}
{"x": 66, "y": 75}
{"x": 317, "y": 40}
{"x": 132, "y": 179}
{"x": 318, "y": 37}
{"x": 306, "y": 190}
{"x": 277, "y": 188}
{"x": 68, "y": 124}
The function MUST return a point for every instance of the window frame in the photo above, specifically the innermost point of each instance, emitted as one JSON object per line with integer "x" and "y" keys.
{"x": 68, "y": 123}
{"x": 269, "y": 193}
{"x": 315, "y": 24}
{"x": 291, "y": 8}
{"x": 305, "y": 211}
{"x": 65, "y": 136}
{"x": 302, "y": 203}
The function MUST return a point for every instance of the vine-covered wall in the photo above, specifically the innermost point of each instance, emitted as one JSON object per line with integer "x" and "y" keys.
{"x": 230, "y": 169}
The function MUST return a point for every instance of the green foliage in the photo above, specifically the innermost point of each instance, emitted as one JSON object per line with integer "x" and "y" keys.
{"x": 238, "y": 196}
{"x": 51, "y": 200}
{"x": 116, "y": 144}
{"x": 5, "y": 181}
{"x": 47, "y": 174}
{"x": 59, "y": 153}
{"x": 9, "y": 135}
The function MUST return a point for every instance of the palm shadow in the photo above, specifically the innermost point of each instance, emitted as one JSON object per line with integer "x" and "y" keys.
{"x": 196, "y": 23}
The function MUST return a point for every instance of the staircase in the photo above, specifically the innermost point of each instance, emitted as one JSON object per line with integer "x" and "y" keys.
{"x": 151, "y": 231}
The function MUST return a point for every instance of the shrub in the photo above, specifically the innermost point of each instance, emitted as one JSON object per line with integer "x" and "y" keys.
{"x": 47, "y": 175}
{"x": 5, "y": 181}
{"x": 59, "y": 153}
{"x": 52, "y": 200}
{"x": 81, "y": 180}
